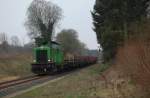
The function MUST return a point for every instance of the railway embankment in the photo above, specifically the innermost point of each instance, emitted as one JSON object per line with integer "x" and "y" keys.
{"x": 96, "y": 81}
{"x": 14, "y": 66}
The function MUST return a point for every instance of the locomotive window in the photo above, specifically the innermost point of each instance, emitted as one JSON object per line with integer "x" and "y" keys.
{"x": 55, "y": 46}
{"x": 41, "y": 56}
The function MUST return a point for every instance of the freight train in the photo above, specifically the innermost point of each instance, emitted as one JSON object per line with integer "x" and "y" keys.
{"x": 49, "y": 58}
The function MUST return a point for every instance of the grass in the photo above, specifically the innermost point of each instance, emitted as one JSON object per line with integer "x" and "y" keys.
{"x": 15, "y": 66}
{"x": 100, "y": 69}
{"x": 83, "y": 84}
{"x": 86, "y": 83}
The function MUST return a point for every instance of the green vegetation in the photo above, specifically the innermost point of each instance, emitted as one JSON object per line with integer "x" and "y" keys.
{"x": 100, "y": 69}
{"x": 122, "y": 29}
{"x": 112, "y": 21}
{"x": 68, "y": 38}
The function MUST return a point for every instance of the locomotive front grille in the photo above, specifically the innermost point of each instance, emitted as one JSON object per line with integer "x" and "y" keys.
{"x": 41, "y": 56}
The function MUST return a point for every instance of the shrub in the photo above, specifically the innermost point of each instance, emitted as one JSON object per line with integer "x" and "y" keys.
{"x": 133, "y": 59}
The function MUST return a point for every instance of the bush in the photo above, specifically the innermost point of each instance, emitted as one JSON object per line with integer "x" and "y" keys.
{"x": 134, "y": 60}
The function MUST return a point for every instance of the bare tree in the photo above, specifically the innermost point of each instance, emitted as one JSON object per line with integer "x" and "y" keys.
{"x": 3, "y": 37}
{"x": 43, "y": 17}
{"x": 15, "y": 41}
{"x": 3, "y": 42}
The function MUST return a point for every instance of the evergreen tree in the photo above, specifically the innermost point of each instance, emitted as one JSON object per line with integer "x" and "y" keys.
{"x": 112, "y": 18}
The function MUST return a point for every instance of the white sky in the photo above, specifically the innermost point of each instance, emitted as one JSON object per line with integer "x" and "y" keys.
{"x": 76, "y": 16}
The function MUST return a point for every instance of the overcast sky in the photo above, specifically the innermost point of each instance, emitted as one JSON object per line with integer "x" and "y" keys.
{"x": 76, "y": 16}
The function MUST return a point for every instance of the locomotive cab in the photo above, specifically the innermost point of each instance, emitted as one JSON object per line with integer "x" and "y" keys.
{"x": 47, "y": 58}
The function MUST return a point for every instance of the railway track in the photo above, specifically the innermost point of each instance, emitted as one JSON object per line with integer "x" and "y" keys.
{"x": 15, "y": 87}
{"x": 7, "y": 84}
{"x": 11, "y": 87}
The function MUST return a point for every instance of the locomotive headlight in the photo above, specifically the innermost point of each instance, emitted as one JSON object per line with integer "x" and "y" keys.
{"x": 49, "y": 60}
{"x": 34, "y": 61}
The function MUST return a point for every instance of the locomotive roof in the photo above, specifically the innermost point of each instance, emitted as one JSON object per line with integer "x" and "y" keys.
{"x": 53, "y": 42}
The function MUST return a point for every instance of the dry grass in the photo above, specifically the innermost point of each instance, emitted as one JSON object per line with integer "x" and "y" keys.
{"x": 4, "y": 78}
{"x": 133, "y": 60}
{"x": 88, "y": 83}
{"x": 14, "y": 65}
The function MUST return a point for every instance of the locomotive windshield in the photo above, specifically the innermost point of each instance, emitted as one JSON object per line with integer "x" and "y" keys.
{"x": 41, "y": 56}
{"x": 56, "y": 45}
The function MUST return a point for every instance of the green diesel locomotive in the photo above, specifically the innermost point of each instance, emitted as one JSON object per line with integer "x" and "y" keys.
{"x": 49, "y": 58}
